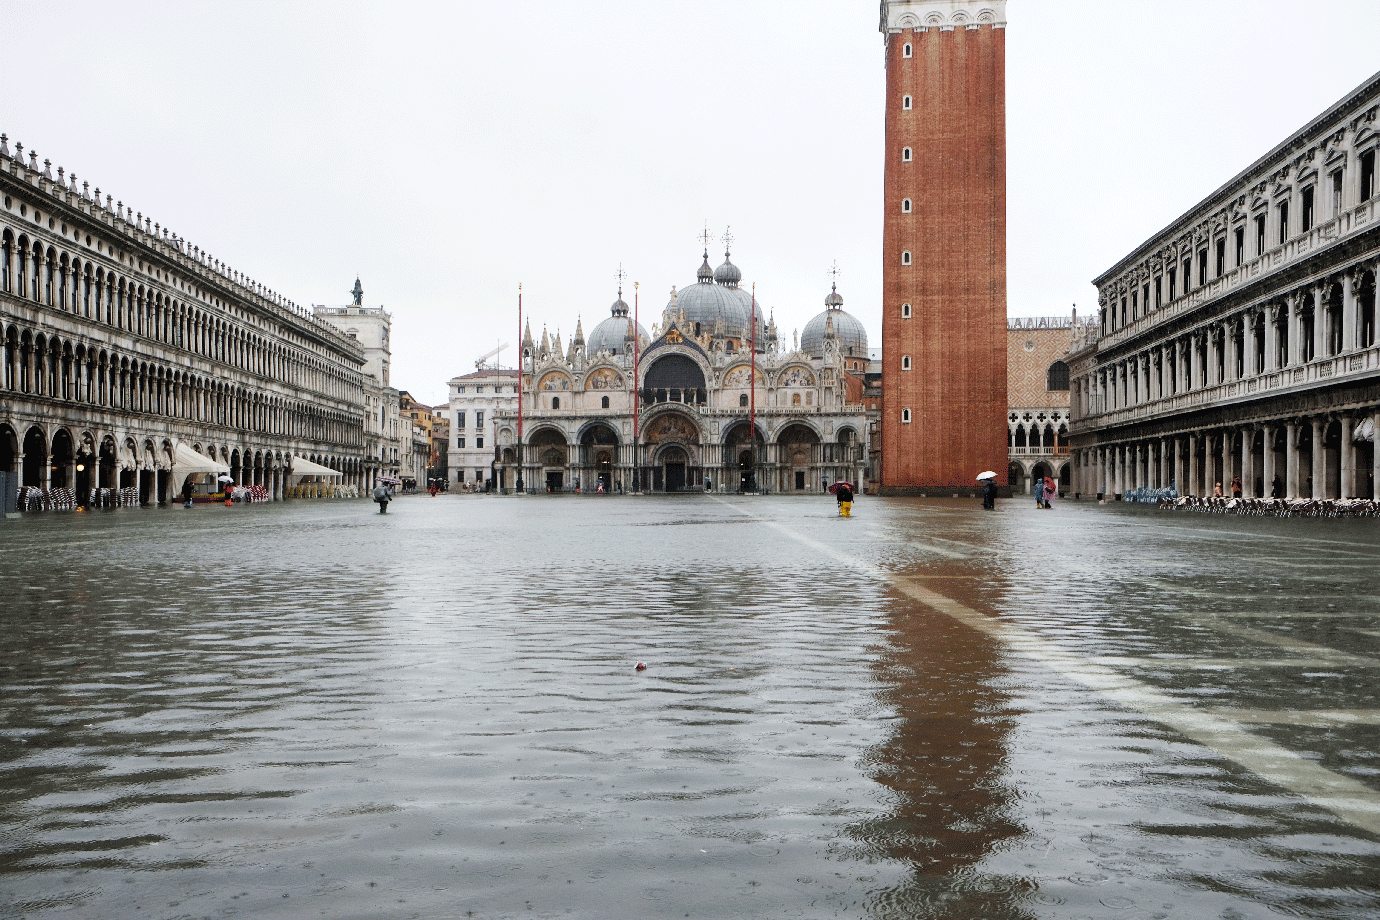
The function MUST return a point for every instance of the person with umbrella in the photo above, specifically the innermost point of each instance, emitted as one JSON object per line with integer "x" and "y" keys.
{"x": 382, "y": 493}
{"x": 844, "y": 493}
{"x": 989, "y": 490}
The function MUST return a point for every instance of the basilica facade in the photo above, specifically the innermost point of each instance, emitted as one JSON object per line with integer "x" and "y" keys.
{"x": 710, "y": 399}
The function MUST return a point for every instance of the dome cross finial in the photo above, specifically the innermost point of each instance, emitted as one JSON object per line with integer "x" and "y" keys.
{"x": 728, "y": 240}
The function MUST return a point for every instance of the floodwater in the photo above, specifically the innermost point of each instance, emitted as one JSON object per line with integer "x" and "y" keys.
{"x": 312, "y": 710}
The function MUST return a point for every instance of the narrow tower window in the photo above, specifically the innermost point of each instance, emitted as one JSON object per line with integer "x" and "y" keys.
{"x": 905, "y": 102}
{"x": 905, "y": 416}
{"x": 905, "y": 362}
{"x": 905, "y": 155}
{"x": 905, "y": 257}
{"x": 905, "y": 206}
{"x": 905, "y": 311}
{"x": 905, "y": 52}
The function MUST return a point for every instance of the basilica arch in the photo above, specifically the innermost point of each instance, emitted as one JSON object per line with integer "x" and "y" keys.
{"x": 600, "y": 465}
{"x": 673, "y": 452}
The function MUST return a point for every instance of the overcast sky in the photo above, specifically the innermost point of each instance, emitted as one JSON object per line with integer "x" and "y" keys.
{"x": 446, "y": 152}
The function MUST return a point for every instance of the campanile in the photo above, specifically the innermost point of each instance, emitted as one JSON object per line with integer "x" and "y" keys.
{"x": 944, "y": 246}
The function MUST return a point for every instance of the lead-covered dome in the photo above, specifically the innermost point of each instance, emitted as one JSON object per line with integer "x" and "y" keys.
{"x": 706, "y": 302}
{"x": 611, "y": 335}
{"x": 851, "y": 334}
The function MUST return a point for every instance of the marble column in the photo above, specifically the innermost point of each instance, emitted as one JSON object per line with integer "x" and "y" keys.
{"x": 1375, "y": 454}
{"x": 1315, "y": 294}
{"x": 1346, "y": 486}
{"x": 1267, "y": 459}
{"x": 1319, "y": 458}
{"x": 1350, "y": 311}
{"x": 1291, "y": 459}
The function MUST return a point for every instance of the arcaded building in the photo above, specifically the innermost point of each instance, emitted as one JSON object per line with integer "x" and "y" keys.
{"x": 1239, "y": 342}
{"x": 944, "y": 245}
{"x": 129, "y": 353}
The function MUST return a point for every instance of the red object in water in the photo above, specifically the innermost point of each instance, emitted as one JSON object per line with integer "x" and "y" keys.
{"x": 641, "y": 666}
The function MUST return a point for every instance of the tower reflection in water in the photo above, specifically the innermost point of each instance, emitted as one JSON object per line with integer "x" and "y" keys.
{"x": 946, "y": 764}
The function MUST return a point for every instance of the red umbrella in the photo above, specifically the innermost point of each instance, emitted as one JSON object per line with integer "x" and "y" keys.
{"x": 834, "y": 489}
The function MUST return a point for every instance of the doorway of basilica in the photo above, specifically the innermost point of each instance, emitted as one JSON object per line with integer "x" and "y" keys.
{"x": 673, "y": 461}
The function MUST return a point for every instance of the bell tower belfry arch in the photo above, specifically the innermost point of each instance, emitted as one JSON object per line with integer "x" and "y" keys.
{"x": 944, "y": 245}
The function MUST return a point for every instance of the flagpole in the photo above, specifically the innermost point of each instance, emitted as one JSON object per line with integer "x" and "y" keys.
{"x": 637, "y": 398}
{"x": 752, "y": 387}
{"x": 521, "y": 359}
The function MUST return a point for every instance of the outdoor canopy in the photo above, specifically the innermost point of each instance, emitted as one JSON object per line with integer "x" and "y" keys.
{"x": 187, "y": 462}
{"x": 304, "y": 467}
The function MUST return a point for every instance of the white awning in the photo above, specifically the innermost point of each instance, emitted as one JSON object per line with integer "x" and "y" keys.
{"x": 187, "y": 462}
{"x": 304, "y": 467}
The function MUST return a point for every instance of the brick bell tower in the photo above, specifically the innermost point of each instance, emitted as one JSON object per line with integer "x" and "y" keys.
{"x": 944, "y": 246}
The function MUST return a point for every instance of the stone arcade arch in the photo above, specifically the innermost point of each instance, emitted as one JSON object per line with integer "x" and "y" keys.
{"x": 599, "y": 457}
{"x": 548, "y": 457}
{"x": 744, "y": 453}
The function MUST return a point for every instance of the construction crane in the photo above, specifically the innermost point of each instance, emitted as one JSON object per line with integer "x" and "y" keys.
{"x": 480, "y": 362}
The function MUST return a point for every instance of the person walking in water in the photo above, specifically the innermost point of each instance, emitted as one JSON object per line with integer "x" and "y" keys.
{"x": 1039, "y": 489}
{"x": 381, "y": 496}
{"x": 844, "y": 493}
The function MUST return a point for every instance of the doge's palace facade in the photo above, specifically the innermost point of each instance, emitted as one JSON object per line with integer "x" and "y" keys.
{"x": 1240, "y": 341}
{"x": 124, "y": 345}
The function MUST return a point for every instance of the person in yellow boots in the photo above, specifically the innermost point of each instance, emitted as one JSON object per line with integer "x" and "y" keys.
{"x": 844, "y": 493}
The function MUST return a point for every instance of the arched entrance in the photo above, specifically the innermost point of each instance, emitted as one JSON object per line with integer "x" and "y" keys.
{"x": 548, "y": 448}
{"x": 673, "y": 447}
{"x": 598, "y": 448}
{"x": 672, "y": 463}
{"x": 798, "y": 456}
{"x": 35, "y": 458}
{"x": 62, "y": 460}
{"x": 744, "y": 451}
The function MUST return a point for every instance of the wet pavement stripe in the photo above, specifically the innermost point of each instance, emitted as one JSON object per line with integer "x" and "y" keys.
{"x": 1335, "y": 660}
{"x": 1308, "y": 718}
{"x": 1352, "y": 801}
{"x": 1265, "y": 637}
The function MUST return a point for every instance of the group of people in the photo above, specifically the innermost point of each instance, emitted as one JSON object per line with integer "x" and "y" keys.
{"x": 1045, "y": 490}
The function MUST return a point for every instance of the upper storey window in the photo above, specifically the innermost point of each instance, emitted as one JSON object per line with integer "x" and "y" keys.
{"x": 1283, "y": 222}
{"x": 905, "y": 155}
{"x": 1307, "y": 209}
{"x": 1367, "y": 175}
{"x": 1058, "y": 376}
{"x": 905, "y": 102}
{"x": 905, "y": 206}
{"x": 905, "y": 51}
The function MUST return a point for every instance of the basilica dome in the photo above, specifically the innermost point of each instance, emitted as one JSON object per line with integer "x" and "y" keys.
{"x": 851, "y": 334}
{"x": 715, "y": 295}
{"x": 611, "y": 335}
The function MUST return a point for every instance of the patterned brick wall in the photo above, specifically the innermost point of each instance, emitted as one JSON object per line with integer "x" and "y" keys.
{"x": 1029, "y": 354}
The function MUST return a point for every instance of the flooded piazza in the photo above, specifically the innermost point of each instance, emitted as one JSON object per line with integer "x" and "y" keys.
{"x": 312, "y": 710}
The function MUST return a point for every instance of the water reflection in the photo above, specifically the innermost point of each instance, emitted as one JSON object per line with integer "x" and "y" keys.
{"x": 946, "y": 763}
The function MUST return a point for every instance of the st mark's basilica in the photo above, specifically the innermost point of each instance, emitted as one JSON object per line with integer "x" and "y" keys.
{"x": 724, "y": 404}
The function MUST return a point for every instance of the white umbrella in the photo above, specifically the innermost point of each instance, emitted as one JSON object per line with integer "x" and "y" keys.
{"x": 987, "y": 475}
{"x": 225, "y": 479}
